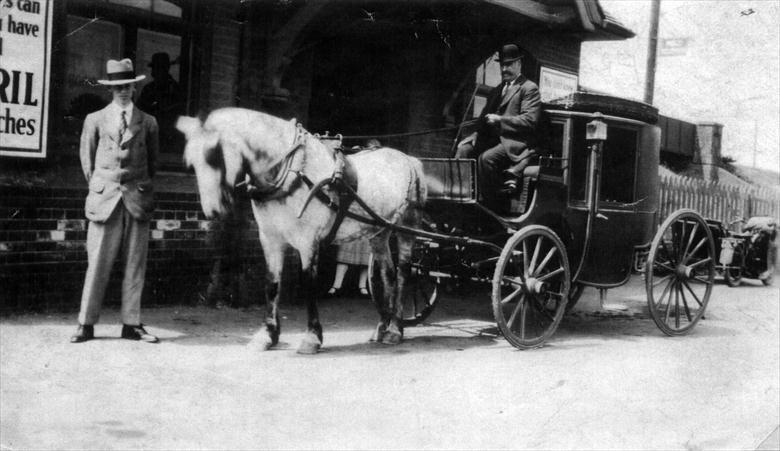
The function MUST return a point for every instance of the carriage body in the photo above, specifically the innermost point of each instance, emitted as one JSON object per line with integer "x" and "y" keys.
{"x": 587, "y": 216}
{"x": 556, "y": 195}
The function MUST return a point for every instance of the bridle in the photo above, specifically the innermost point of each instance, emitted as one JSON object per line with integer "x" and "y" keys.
{"x": 261, "y": 188}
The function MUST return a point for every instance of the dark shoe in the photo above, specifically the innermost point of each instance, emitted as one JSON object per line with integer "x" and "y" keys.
{"x": 138, "y": 333}
{"x": 83, "y": 333}
{"x": 333, "y": 292}
{"x": 509, "y": 187}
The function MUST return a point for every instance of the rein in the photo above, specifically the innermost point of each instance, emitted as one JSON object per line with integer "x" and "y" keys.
{"x": 421, "y": 132}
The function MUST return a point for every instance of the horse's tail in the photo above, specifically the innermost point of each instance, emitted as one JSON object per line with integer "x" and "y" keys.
{"x": 419, "y": 189}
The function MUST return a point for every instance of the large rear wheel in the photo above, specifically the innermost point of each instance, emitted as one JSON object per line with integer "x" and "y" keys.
{"x": 680, "y": 272}
{"x": 531, "y": 286}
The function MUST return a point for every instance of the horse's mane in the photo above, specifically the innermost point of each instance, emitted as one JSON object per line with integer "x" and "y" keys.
{"x": 240, "y": 127}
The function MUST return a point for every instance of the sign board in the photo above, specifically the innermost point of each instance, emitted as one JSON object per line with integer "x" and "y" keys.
{"x": 554, "y": 84}
{"x": 25, "y": 63}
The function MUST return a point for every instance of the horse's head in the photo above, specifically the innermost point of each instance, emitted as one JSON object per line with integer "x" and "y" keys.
{"x": 217, "y": 165}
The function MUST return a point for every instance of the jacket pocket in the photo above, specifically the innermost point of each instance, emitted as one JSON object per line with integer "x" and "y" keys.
{"x": 97, "y": 186}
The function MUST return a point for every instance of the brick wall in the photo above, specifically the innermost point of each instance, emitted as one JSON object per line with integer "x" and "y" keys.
{"x": 43, "y": 257}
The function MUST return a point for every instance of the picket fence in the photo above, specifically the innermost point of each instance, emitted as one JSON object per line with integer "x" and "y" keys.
{"x": 716, "y": 201}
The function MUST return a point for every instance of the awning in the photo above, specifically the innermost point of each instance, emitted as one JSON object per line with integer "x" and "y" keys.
{"x": 584, "y": 16}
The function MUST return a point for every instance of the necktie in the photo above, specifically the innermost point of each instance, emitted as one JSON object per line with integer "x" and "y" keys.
{"x": 506, "y": 86}
{"x": 123, "y": 125}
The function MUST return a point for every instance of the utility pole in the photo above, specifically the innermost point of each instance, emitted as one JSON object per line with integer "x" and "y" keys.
{"x": 652, "y": 52}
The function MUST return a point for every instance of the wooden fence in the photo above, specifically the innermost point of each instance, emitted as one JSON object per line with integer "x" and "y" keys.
{"x": 716, "y": 201}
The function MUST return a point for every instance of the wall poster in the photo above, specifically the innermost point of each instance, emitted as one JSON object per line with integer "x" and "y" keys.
{"x": 25, "y": 65}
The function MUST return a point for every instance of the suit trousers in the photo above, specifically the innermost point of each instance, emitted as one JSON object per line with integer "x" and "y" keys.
{"x": 490, "y": 165}
{"x": 120, "y": 234}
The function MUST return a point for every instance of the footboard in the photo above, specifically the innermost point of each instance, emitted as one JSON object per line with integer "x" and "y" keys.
{"x": 450, "y": 179}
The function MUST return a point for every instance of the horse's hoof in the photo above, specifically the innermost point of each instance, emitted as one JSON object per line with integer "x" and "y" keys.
{"x": 310, "y": 345}
{"x": 379, "y": 333}
{"x": 261, "y": 342}
{"x": 392, "y": 338}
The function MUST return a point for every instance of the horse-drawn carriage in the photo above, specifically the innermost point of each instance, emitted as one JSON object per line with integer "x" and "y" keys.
{"x": 587, "y": 216}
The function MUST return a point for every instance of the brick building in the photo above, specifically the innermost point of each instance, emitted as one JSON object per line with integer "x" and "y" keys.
{"x": 350, "y": 67}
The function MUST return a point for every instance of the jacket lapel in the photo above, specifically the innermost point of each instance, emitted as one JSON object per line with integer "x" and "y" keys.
{"x": 134, "y": 127}
{"x": 512, "y": 91}
{"x": 109, "y": 123}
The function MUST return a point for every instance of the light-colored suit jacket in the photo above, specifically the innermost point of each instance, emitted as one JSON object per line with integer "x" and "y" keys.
{"x": 117, "y": 170}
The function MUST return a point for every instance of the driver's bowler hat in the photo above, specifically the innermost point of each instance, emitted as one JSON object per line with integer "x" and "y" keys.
{"x": 509, "y": 53}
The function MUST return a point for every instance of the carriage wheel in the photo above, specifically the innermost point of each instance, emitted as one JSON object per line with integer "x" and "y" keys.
{"x": 420, "y": 293}
{"x": 531, "y": 286}
{"x": 680, "y": 273}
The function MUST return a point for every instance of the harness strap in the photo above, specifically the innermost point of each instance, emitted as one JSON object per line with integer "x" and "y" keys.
{"x": 257, "y": 190}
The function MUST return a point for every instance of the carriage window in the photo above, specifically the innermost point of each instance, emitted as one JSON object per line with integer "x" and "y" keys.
{"x": 578, "y": 161}
{"x": 618, "y": 163}
{"x": 552, "y": 141}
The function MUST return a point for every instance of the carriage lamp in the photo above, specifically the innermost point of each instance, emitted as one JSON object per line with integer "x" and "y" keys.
{"x": 596, "y": 130}
{"x": 596, "y": 135}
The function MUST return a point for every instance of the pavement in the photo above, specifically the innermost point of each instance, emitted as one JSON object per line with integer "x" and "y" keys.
{"x": 604, "y": 381}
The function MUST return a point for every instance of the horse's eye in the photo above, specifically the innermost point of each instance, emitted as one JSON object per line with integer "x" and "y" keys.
{"x": 213, "y": 156}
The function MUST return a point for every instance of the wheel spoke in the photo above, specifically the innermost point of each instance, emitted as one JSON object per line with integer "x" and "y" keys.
{"x": 669, "y": 304}
{"x": 523, "y": 315}
{"x": 513, "y": 281}
{"x": 550, "y": 274}
{"x": 512, "y": 296}
{"x": 544, "y": 262}
{"x": 662, "y": 279}
{"x": 665, "y": 265}
{"x": 685, "y": 305}
{"x": 701, "y": 262}
{"x": 532, "y": 268}
{"x": 696, "y": 249}
{"x": 518, "y": 308}
{"x": 664, "y": 293}
{"x": 699, "y": 279}
{"x": 690, "y": 240}
{"x": 546, "y": 313}
{"x": 695, "y": 297}
{"x": 677, "y": 306}
{"x": 525, "y": 258}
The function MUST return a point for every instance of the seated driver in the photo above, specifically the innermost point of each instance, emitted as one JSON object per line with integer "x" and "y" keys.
{"x": 506, "y": 132}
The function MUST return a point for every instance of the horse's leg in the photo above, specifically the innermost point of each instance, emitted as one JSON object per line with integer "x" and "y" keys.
{"x": 382, "y": 276}
{"x": 395, "y": 331}
{"x": 312, "y": 341}
{"x": 268, "y": 335}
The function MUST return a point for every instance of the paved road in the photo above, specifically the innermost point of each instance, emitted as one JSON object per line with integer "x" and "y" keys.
{"x": 603, "y": 382}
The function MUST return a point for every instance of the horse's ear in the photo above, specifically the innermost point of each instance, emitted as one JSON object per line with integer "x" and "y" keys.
{"x": 188, "y": 125}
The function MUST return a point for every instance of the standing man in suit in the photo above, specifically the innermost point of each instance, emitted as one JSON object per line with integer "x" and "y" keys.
{"x": 118, "y": 154}
{"x": 506, "y": 133}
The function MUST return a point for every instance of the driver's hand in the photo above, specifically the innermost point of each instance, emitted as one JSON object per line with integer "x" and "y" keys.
{"x": 492, "y": 118}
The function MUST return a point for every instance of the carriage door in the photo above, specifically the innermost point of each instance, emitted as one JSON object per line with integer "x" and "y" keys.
{"x": 619, "y": 227}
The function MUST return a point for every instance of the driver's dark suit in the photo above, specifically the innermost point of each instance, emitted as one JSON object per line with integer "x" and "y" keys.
{"x": 508, "y": 144}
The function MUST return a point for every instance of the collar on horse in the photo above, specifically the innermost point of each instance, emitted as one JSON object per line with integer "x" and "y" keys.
{"x": 343, "y": 181}
{"x": 262, "y": 189}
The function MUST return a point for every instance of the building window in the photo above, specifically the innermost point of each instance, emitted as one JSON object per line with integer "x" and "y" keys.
{"x": 137, "y": 29}
{"x": 155, "y": 6}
